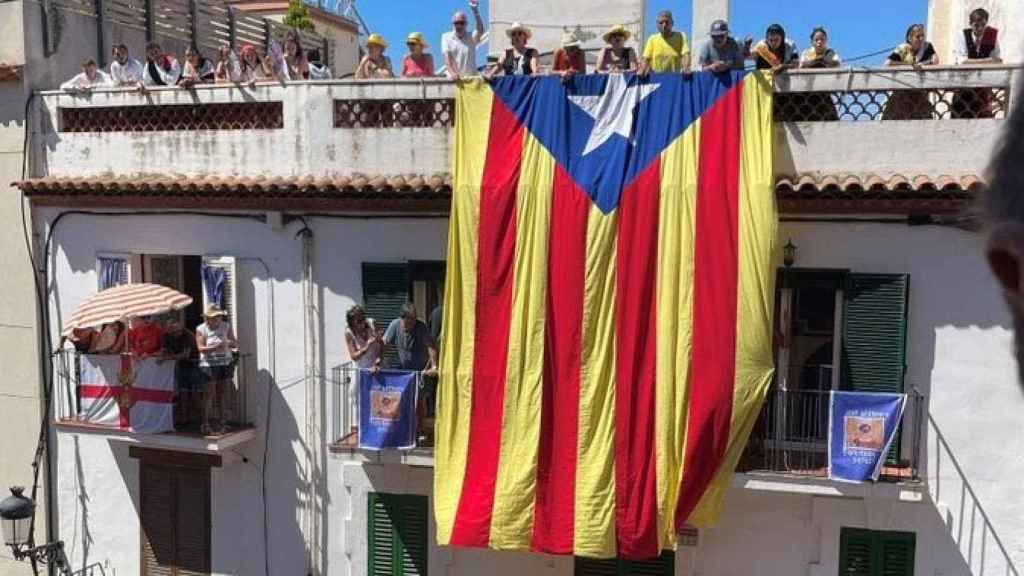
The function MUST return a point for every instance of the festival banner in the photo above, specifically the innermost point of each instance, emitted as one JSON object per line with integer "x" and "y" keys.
{"x": 862, "y": 428}
{"x": 121, "y": 391}
{"x": 387, "y": 409}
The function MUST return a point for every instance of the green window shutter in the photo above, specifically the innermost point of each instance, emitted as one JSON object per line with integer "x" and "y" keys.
{"x": 385, "y": 290}
{"x": 897, "y": 552}
{"x": 664, "y": 565}
{"x": 397, "y": 535}
{"x": 856, "y": 552}
{"x": 876, "y": 553}
{"x": 875, "y": 332}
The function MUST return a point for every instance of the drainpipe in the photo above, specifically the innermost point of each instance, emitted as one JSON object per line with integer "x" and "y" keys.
{"x": 312, "y": 425}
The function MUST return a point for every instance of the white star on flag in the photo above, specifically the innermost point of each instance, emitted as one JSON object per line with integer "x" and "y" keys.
{"x": 614, "y": 111}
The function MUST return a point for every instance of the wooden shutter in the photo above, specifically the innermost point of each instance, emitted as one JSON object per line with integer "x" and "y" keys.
{"x": 875, "y": 333}
{"x": 175, "y": 519}
{"x": 385, "y": 290}
{"x": 876, "y": 553}
{"x": 156, "y": 509}
{"x": 664, "y": 565}
{"x": 897, "y": 553}
{"x": 227, "y": 264}
{"x": 398, "y": 535}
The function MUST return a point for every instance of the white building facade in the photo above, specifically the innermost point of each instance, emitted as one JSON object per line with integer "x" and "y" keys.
{"x": 314, "y": 197}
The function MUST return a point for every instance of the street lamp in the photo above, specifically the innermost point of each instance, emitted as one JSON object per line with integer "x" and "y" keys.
{"x": 16, "y": 514}
{"x": 789, "y": 254}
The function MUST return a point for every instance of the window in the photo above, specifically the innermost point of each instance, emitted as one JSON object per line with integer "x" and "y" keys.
{"x": 114, "y": 269}
{"x": 664, "y": 565}
{"x": 387, "y": 286}
{"x": 219, "y": 279}
{"x": 876, "y": 553}
{"x": 174, "y": 512}
{"x": 397, "y": 534}
{"x": 841, "y": 330}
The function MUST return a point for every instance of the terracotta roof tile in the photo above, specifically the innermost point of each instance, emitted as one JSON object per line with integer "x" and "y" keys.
{"x": 801, "y": 193}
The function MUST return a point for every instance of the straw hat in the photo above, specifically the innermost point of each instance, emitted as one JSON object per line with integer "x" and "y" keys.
{"x": 212, "y": 311}
{"x": 376, "y": 39}
{"x": 614, "y": 30}
{"x": 416, "y": 38}
{"x": 569, "y": 39}
{"x": 518, "y": 27}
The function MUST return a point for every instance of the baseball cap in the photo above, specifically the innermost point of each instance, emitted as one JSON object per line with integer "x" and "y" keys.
{"x": 719, "y": 28}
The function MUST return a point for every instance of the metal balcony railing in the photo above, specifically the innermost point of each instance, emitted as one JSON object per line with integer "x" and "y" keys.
{"x": 344, "y": 413}
{"x": 791, "y": 436}
{"x": 230, "y": 407}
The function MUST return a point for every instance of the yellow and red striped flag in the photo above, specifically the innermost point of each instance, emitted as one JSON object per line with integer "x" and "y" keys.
{"x": 607, "y": 329}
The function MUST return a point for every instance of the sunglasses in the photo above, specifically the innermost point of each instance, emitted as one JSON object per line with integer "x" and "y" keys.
{"x": 459, "y": 23}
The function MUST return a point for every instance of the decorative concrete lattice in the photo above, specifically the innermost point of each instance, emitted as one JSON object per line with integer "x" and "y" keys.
{"x": 412, "y": 113}
{"x": 869, "y": 105}
{"x": 151, "y": 118}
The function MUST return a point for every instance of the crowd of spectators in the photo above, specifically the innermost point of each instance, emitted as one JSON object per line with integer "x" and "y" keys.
{"x": 204, "y": 360}
{"x": 668, "y": 50}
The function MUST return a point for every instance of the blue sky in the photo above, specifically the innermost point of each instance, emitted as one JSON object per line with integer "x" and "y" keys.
{"x": 854, "y": 28}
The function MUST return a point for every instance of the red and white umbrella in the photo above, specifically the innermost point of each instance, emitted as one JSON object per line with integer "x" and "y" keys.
{"x": 125, "y": 302}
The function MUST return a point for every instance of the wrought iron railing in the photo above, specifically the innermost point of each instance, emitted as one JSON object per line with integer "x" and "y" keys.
{"x": 405, "y": 113}
{"x": 230, "y": 405}
{"x": 344, "y": 413}
{"x": 907, "y": 104}
{"x": 162, "y": 117}
{"x": 792, "y": 436}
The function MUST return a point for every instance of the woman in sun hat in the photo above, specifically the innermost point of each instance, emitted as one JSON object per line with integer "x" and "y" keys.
{"x": 617, "y": 57}
{"x": 215, "y": 341}
{"x": 375, "y": 64}
{"x": 570, "y": 58}
{"x": 520, "y": 59}
{"x": 417, "y": 63}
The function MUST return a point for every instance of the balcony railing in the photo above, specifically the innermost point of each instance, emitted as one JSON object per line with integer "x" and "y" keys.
{"x": 836, "y": 122}
{"x": 792, "y": 437}
{"x": 73, "y": 393}
{"x": 344, "y": 398}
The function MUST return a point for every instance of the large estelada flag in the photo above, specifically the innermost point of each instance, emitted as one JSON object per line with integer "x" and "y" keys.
{"x": 607, "y": 330}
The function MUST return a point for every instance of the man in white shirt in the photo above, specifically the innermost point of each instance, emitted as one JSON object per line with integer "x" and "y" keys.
{"x": 125, "y": 71}
{"x": 978, "y": 44}
{"x": 459, "y": 46}
{"x": 90, "y": 78}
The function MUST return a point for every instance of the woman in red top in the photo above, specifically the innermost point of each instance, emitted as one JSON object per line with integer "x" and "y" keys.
{"x": 417, "y": 63}
{"x": 569, "y": 59}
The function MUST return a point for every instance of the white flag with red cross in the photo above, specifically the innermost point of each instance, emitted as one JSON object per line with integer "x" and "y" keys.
{"x": 135, "y": 394}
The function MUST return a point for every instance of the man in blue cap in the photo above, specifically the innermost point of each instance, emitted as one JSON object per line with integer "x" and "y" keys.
{"x": 722, "y": 52}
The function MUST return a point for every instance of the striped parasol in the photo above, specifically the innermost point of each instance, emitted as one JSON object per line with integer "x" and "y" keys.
{"x": 125, "y": 302}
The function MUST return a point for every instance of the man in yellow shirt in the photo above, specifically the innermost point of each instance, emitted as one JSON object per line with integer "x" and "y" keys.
{"x": 666, "y": 51}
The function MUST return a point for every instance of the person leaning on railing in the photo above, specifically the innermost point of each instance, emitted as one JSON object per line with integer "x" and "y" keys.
{"x": 776, "y": 52}
{"x": 916, "y": 52}
{"x": 317, "y": 69}
{"x": 666, "y": 51}
{"x": 416, "y": 351}
{"x": 569, "y": 60}
{"x": 124, "y": 70}
{"x": 978, "y": 44}
{"x": 362, "y": 338}
{"x": 616, "y": 56}
{"x": 722, "y": 53}
{"x": 161, "y": 69}
{"x": 179, "y": 344}
{"x": 90, "y": 77}
{"x": 295, "y": 57}
{"x": 418, "y": 63}
{"x": 198, "y": 69}
{"x": 518, "y": 59}
{"x": 819, "y": 55}
{"x": 375, "y": 64}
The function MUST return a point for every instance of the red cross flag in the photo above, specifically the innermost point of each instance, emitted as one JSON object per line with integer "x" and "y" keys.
{"x": 135, "y": 394}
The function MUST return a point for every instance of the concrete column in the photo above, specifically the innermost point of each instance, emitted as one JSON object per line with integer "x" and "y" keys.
{"x": 704, "y": 13}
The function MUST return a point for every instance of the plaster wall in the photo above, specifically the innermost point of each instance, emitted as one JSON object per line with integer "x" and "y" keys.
{"x": 270, "y": 297}
{"x": 310, "y": 145}
{"x": 782, "y": 534}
